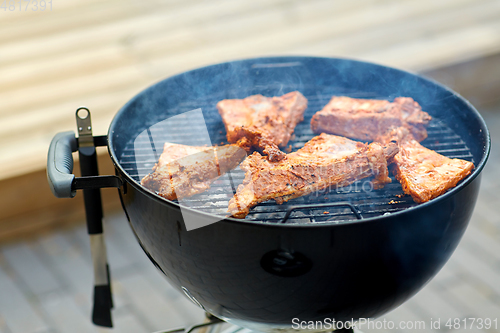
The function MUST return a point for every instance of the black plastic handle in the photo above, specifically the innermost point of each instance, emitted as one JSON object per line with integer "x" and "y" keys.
{"x": 62, "y": 181}
{"x": 60, "y": 164}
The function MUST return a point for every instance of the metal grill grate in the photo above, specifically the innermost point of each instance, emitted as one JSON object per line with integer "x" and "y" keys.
{"x": 137, "y": 160}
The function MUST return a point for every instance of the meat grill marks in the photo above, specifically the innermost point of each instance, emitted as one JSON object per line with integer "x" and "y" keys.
{"x": 183, "y": 171}
{"x": 423, "y": 173}
{"x": 366, "y": 119}
{"x": 263, "y": 123}
{"x": 325, "y": 161}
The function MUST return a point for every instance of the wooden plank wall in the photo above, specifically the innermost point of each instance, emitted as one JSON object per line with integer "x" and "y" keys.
{"x": 101, "y": 53}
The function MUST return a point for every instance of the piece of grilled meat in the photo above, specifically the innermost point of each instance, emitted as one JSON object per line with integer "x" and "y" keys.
{"x": 263, "y": 123}
{"x": 326, "y": 161}
{"x": 423, "y": 173}
{"x": 366, "y": 119}
{"x": 183, "y": 171}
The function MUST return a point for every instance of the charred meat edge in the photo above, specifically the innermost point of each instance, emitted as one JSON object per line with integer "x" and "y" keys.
{"x": 311, "y": 168}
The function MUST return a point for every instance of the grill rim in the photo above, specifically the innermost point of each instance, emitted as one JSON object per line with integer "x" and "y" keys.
{"x": 476, "y": 172}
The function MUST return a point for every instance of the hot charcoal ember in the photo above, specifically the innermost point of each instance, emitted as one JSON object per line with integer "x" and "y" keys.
{"x": 366, "y": 119}
{"x": 263, "y": 123}
{"x": 183, "y": 171}
{"x": 423, "y": 173}
{"x": 325, "y": 161}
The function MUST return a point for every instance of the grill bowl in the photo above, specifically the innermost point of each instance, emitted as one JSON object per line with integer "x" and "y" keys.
{"x": 261, "y": 274}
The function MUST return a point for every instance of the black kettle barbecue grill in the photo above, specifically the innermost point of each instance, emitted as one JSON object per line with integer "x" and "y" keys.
{"x": 343, "y": 254}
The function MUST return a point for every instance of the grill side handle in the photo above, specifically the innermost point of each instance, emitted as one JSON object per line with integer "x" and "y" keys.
{"x": 62, "y": 181}
{"x": 60, "y": 164}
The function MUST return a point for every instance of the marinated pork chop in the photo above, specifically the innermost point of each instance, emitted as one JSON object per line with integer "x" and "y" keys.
{"x": 264, "y": 123}
{"x": 366, "y": 119}
{"x": 183, "y": 171}
{"x": 325, "y": 161}
{"x": 423, "y": 173}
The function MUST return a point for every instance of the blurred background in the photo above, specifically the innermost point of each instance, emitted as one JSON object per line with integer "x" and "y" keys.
{"x": 58, "y": 55}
